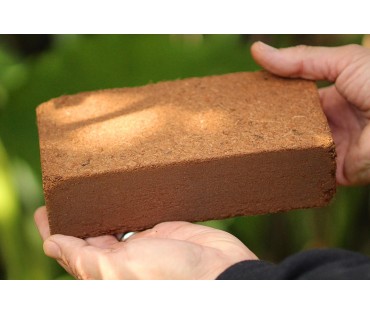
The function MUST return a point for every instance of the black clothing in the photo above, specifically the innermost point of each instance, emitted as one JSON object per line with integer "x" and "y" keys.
{"x": 311, "y": 264}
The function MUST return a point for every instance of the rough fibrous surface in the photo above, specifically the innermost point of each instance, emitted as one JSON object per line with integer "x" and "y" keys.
{"x": 196, "y": 149}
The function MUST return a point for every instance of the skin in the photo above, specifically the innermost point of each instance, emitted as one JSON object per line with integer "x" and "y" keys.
{"x": 181, "y": 250}
{"x": 170, "y": 250}
{"x": 346, "y": 103}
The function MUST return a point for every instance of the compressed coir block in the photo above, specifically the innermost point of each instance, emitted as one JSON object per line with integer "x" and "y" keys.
{"x": 196, "y": 149}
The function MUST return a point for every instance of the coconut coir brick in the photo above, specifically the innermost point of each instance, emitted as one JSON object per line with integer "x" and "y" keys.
{"x": 196, "y": 149}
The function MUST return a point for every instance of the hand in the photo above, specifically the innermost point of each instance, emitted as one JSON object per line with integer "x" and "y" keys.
{"x": 346, "y": 103}
{"x": 170, "y": 250}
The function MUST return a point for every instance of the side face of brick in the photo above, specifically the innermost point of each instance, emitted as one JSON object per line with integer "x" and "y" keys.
{"x": 247, "y": 185}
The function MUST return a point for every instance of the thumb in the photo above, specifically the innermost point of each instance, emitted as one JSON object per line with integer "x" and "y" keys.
{"x": 74, "y": 255}
{"x": 347, "y": 66}
{"x": 314, "y": 63}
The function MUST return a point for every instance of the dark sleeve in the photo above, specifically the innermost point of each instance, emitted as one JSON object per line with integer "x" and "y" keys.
{"x": 312, "y": 264}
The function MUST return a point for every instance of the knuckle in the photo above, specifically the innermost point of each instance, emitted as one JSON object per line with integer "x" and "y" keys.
{"x": 302, "y": 48}
{"x": 355, "y": 50}
{"x": 354, "y": 47}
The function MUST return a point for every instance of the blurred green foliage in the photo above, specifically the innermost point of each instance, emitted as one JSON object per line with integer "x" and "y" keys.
{"x": 30, "y": 75}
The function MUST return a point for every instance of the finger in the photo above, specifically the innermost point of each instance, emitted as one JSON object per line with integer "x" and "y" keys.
{"x": 75, "y": 255}
{"x": 345, "y": 125}
{"x": 336, "y": 108}
{"x": 314, "y": 63}
{"x": 165, "y": 230}
{"x": 103, "y": 242}
{"x": 331, "y": 100}
{"x": 177, "y": 230}
{"x": 42, "y": 223}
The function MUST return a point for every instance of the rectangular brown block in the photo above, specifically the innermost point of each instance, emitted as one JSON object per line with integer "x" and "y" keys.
{"x": 195, "y": 149}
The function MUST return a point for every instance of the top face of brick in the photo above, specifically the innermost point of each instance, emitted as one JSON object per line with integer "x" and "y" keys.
{"x": 178, "y": 121}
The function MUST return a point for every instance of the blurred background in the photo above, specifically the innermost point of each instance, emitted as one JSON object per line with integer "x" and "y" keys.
{"x": 35, "y": 68}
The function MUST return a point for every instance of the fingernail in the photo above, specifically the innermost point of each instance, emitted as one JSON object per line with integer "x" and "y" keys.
{"x": 52, "y": 249}
{"x": 265, "y": 47}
